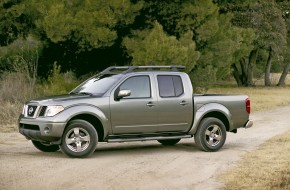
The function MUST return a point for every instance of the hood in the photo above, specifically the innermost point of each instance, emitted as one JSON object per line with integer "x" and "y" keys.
{"x": 63, "y": 98}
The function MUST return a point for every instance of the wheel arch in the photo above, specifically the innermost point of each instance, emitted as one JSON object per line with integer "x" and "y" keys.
{"x": 92, "y": 120}
{"x": 220, "y": 116}
{"x": 212, "y": 110}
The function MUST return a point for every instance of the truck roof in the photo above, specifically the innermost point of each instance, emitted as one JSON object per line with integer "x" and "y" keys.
{"x": 130, "y": 69}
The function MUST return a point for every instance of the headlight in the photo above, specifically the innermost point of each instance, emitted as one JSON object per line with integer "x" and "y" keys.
{"x": 53, "y": 110}
{"x": 24, "y": 110}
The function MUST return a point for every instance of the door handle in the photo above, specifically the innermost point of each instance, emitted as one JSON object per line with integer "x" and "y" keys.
{"x": 183, "y": 103}
{"x": 150, "y": 104}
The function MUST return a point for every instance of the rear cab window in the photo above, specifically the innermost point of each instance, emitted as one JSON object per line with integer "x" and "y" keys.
{"x": 170, "y": 86}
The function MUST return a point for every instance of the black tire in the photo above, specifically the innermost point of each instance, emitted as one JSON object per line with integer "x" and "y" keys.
{"x": 169, "y": 142}
{"x": 79, "y": 139}
{"x": 211, "y": 134}
{"x": 45, "y": 147}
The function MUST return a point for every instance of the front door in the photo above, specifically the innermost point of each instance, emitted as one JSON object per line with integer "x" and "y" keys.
{"x": 137, "y": 112}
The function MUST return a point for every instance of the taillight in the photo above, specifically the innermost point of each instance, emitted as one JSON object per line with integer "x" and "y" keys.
{"x": 248, "y": 105}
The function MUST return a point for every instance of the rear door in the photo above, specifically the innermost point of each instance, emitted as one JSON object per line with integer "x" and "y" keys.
{"x": 174, "y": 104}
{"x": 136, "y": 113}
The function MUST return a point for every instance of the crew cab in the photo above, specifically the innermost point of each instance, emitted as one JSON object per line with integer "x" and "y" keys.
{"x": 132, "y": 103}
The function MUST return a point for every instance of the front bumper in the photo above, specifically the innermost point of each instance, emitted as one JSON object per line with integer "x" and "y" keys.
{"x": 249, "y": 124}
{"x": 41, "y": 129}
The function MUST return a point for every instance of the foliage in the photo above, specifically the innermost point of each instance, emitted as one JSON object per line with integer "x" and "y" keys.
{"x": 202, "y": 78}
{"x": 59, "y": 83}
{"x": 204, "y": 35}
{"x": 87, "y": 23}
{"x": 220, "y": 44}
{"x": 14, "y": 22}
{"x": 74, "y": 33}
{"x": 266, "y": 19}
{"x": 21, "y": 53}
{"x": 155, "y": 47}
{"x": 285, "y": 8}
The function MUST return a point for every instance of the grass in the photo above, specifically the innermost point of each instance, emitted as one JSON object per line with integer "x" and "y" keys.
{"x": 262, "y": 98}
{"x": 266, "y": 168}
{"x": 18, "y": 87}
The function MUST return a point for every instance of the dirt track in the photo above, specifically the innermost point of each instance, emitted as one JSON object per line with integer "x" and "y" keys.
{"x": 135, "y": 165}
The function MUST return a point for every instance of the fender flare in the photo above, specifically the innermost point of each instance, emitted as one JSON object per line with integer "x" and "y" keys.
{"x": 206, "y": 109}
{"x": 88, "y": 109}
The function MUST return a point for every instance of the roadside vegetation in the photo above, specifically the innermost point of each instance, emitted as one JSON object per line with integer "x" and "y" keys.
{"x": 267, "y": 168}
{"x": 262, "y": 98}
{"x": 20, "y": 86}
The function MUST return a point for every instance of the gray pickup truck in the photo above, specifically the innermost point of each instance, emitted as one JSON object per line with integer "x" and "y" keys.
{"x": 132, "y": 103}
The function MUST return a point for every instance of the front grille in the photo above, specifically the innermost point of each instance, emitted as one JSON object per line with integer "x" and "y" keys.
{"x": 42, "y": 111}
{"x": 31, "y": 110}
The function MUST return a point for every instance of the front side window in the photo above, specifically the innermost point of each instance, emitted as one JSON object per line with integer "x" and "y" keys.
{"x": 138, "y": 85}
{"x": 169, "y": 86}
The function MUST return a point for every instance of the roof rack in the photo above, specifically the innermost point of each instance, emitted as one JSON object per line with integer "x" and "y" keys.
{"x": 129, "y": 69}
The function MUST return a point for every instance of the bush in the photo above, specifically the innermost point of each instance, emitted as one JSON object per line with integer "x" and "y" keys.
{"x": 59, "y": 83}
{"x": 202, "y": 78}
{"x": 15, "y": 89}
{"x": 20, "y": 86}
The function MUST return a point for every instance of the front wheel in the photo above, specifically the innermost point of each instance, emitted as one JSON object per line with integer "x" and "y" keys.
{"x": 211, "y": 134}
{"x": 79, "y": 139}
{"x": 45, "y": 147}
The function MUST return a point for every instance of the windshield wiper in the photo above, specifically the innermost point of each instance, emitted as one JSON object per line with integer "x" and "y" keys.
{"x": 85, "y": 93}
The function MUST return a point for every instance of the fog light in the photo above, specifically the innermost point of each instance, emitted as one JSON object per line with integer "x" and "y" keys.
{"x": 46, "y": 130}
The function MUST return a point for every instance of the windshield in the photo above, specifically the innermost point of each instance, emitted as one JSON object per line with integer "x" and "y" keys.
{"x": 96, "y": 85}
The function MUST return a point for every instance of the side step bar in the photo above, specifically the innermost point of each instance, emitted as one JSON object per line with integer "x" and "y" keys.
{"x": 112, "y": 140}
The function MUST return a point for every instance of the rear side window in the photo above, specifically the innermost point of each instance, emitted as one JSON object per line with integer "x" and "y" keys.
{"x": 169, "y": 86}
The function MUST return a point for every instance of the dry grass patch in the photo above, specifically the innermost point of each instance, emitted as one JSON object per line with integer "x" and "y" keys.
{"x": 261, "y": 98}
{"x": 266, "y": 168}
{"x": 9, "y": 113}
{"x": 8, "y": 128}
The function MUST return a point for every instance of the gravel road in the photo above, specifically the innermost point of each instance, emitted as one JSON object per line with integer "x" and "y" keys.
{"x": 134, "y": 165}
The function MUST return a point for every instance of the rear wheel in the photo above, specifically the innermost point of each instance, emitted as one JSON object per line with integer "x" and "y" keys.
{"x": 211, "y": 134}
{"x": 79, "y": 139}
{"x": 169, "y": 142}
{"x": 45, "y": 147}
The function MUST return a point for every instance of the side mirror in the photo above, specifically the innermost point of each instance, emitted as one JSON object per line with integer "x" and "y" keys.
{"x": 123, "y": 93}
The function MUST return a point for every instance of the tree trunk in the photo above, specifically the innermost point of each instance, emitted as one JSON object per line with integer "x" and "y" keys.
{"x": 268, "y": 68}
{"x": 244, "y": 68}
{"x": 251, "y": 65}
{"x": 284, "y": 75}
{"x": 236, "y": 75}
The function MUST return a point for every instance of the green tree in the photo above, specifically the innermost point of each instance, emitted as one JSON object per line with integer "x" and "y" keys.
{"x": 155, "y": 47}
{"x": 284, "y": 5}
{"x": 76, "y": 34}
{"x": 14, "y": 21}
{"x": 220, "y": 43}
{"x": 88, "y": 23}
{"x": 265, "y": 18}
